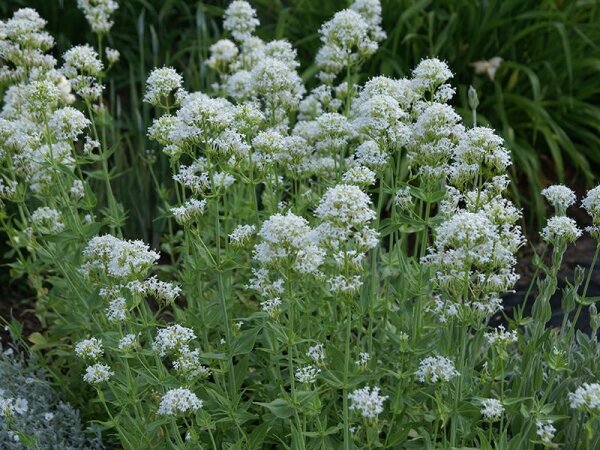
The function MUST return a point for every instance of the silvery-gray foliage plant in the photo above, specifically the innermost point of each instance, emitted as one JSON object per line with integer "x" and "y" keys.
{"x": 32, "y": 416}
{"x": 332, "y": 260}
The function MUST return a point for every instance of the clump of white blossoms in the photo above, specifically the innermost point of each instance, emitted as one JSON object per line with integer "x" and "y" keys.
{"x": 172, "y": 339}
{"x": 11, "y": 406}
{"x": 161, "y": 84}
{"x": 179, "y": 401}
{"x": 307, "y": 374}
{"x": 501, "y": 337}
{"x": 97, "y": 373}
{"x": 117, "y": 258}
{"x": 491, "y": 409}
{"x": 586, "y": 398}
{"x": 470, "y": 250}
{"x": 241, "y": 234}
{"x": 560, "y": 230}
{"x": 286, "y": 237}
{"x": 47, "y": 220}
{"x": 127, "y": 342}
{"x": 89, "y": 348}
{"x": 435, "y": 369}
{"x": 560, "y": 197}
{"x": 368, "y": 402}
{"x": 68, "y": 123}
{"x": 317, "y": 354}
{"x": 240, "y": 20}
{"x": 23, "y": 44}
{"x": 117, "y": 310}
{"x": 545, "y": 431}
{"x": 82, "y": 67}
{"x": 591, "y": 203}
{"x": 98, "y": 13}
{"x": 160, "y": 290}
{"x": 349, "y": 38}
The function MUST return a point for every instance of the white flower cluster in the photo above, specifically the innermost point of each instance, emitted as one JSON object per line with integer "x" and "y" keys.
{"x": 546, "y": 431}
{"x": 317, "y": 354}
{"x": 11, "y": 406}
{"x": 560, "y": 197}
{"x": 82, "y": 67}
{"x": 491, "y": 409}
{"x": 348, "y": 38}
{"x": 98, "y": 13}
{"x": 179, "y": 401}
{"x": 436, "y": 368}
{"x": 241, "y": 234}
{"x": 47, "y": 220}
{"x": 97, "y": 373}
{"x": 23, "y": 44}
{"x": 586, "y": 398}
{"x": 470, "y": 248}
{"x": 160, "y": 290}
{"x": 172, "y": 339}
{"x": 561, "y": 230}
{"x": 161, "y": 83}
{"x": 307, "y": 374}
{"x": 89, "y": 349}
{"x": 117, "y": 258}
{"x": 500, "y": 337}
{"x": 289, "y": 237}
{"x": 367, "y": 401}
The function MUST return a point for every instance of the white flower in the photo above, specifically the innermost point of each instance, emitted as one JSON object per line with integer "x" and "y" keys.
{"x": 117, "y": 310}
{"x": 501, "y": 337}
{"x": 127, "y": 342}
{"x": 172, "y": 338}
{"x": 67, "y": 123}
{"x": 545, "y": 431}
{"x": 12, "y": 406}
{"x": 112, "y": 55}
{"x": 561, "y": 229}
{"x": 179, "y": 401}
{"x": 367, "y": 401}
{"x": 317, "y": 354}
{"x": 403, "y": 199}
{"x": 241, "y": 234}
{"x": 271, "y": 306}
{"x": 307, "y": 374}
{"x": 160, "y": 84}
{"x": 359, "y": 175}
{"x": 89, "y": 348}
{"x": 363, "y": 360}
{"x": 346, "y": 205}
{"x": 190, "y": 210}
{"x": 279, "y": 86}
{"x": 491, "y": 409}
{"x": 436, "y": 368}
{"x": 430, "y": 74}
{"x": 240, "y": 20}
{"x": 591, "y": 203}
{"x": 97, "y": 13}
{"x": 160, "y": 290}
{"x": 586, "y": 398}
{"x": 223, "y": 54}
{"x": 560, "y": 197}
{"x": 188, "y": 364}
{"x": 77, "y": 191}
{"x": 47, "y": 220}
{"x": 118, "y": 258}
{"x": 98, "y": 373}
{"x": 370, "y": 155}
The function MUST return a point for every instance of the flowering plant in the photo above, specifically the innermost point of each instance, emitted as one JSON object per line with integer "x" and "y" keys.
{"x": 333, "y": 260}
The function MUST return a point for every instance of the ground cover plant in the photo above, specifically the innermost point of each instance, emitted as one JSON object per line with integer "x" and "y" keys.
{"x": 330, "y": 259}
